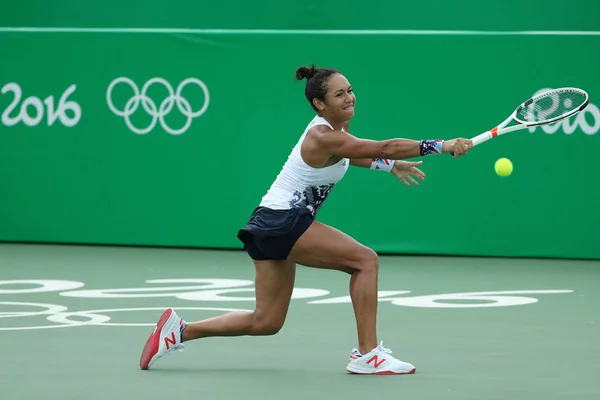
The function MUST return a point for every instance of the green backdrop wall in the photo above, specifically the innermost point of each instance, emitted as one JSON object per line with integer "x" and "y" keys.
{"x": 574, "y": 15}
{"x": 82, "y": 161}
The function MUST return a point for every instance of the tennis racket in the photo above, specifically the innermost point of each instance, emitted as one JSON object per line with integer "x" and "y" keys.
{"x": 545, "y": 108}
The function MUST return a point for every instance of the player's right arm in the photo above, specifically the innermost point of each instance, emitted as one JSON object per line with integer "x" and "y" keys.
{"x": 343, "y": 144}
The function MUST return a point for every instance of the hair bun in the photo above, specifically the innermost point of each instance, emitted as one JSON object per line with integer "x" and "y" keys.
{"x": 305, "y": 72}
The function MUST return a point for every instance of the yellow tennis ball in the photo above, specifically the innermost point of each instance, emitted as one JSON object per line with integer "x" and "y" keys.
{"x": 503, "y": 167}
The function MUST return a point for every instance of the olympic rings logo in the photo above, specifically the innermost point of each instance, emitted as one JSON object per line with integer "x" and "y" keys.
{"x": 25, "y": 315}
{"x": 150, "y": 107}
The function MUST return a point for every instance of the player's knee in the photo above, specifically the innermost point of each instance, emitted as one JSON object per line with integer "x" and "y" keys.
{"x": 372, "y": 260}
{"x": 264, "y": 325}
{"x": 269, "y": 329}
{"x": 368, "y": 260}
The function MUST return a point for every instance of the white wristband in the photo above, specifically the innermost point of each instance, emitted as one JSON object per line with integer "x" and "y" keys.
{"x": 382, "y": 164}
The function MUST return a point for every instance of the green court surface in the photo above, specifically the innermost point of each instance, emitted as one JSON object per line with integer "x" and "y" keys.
{"x": 475, "y": 328}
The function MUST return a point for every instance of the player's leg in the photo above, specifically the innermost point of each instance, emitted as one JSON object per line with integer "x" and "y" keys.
{"x": 322, "y": 246}
{"x": 274, "y": 286}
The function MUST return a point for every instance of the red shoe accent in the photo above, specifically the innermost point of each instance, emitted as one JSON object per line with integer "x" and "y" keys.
{"x": 376, "y": 361}
{"x": 412, "y": 371}
{"x": 151, "y": 346}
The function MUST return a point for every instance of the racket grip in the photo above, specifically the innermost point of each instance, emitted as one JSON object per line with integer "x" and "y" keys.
{"x": 483, "y": 137}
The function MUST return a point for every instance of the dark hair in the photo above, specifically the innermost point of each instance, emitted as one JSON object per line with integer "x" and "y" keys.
{"x": 316, "y": 82}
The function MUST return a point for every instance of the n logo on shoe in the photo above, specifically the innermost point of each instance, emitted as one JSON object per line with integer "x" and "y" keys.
{"x": 170, "y": 340}
{"x": 376, "y": 362}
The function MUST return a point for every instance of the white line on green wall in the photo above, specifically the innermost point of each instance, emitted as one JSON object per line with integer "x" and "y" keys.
{"x": 293, "y": 31}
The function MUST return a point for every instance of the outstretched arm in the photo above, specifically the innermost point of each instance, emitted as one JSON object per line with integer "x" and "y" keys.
{"x": 342, "y": 144}
{"x": 358, "y": 162}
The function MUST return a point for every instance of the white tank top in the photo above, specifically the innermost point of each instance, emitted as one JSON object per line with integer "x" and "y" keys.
{"x": 300, "y": 185}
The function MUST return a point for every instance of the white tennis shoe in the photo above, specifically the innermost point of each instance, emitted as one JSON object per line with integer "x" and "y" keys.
{"x": 378, "y": 362}
{"x": 165, "y": 338}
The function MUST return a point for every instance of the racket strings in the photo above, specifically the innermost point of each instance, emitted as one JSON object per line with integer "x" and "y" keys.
{"x": 551, "y": 106}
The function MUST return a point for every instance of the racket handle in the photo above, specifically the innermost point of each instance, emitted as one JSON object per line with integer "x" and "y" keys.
{"x": 483, "y": 137}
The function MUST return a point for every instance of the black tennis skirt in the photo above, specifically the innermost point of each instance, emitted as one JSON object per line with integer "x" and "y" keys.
{"x": 271, "y": 234}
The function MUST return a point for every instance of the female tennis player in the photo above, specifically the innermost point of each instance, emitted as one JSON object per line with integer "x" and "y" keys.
{"x": 283, "y": 231}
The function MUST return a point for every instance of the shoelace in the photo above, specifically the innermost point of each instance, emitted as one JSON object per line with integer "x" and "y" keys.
{"x": 384, "y": 349}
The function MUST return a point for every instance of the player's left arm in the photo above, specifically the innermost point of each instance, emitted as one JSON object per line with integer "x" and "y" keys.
{"x": 401, "y": 169}
{"x": 361, "y": 162}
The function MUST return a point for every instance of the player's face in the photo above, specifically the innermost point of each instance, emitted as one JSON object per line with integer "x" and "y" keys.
{"x": 340, "y": 98}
